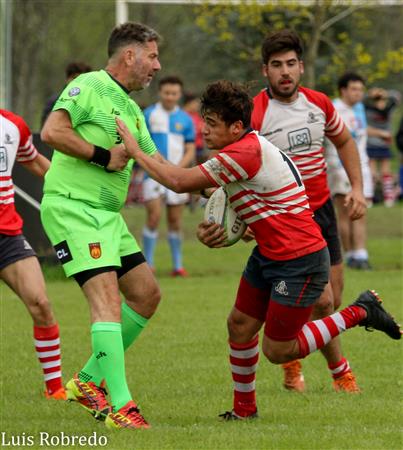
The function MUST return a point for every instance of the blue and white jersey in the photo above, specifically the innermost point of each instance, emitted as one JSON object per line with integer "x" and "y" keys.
{"x": 170, "y": 131}
{"x": 355, "y": 120}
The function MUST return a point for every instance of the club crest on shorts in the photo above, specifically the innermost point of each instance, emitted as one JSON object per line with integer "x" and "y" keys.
{"x": 281, "y": 288}
{"x": 95, "y": 250}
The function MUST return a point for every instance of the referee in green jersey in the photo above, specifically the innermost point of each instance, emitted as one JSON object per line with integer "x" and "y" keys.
{"x": 84, "y": 192}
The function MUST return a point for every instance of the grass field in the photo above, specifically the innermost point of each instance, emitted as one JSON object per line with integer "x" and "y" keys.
{"x": 178, "y": 369}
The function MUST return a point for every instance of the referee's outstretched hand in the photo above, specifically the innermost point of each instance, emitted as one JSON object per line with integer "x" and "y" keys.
{"x": 119, "y": 158}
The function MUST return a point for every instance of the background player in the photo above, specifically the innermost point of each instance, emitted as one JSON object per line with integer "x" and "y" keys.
{"x": 172, "y": 131}
{"x": 72, "y": 71}
{"x": 296, "y": 120}
{"x": 353, "y": 233}
{"x": 379, "y": 106}
{"x": 85, "y": 189}
{"x": 288, "y": 269}
{"x": 19, "y": 266}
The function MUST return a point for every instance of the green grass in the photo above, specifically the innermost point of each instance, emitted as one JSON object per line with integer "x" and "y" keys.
{"x": 178, "y": 369}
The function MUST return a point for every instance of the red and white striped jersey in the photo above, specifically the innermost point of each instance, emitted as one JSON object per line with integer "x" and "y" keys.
{"x": 264, "y": 187}
{"x": 15, "y": 144}
{"x": 299, "y": 130}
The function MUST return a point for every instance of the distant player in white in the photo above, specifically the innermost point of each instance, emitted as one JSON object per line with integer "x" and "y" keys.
{"x": 353, "y": 233}
{"x": 172, "y": 130}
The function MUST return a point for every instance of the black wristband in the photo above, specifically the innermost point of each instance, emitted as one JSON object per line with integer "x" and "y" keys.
{"x": 101, "y": 157}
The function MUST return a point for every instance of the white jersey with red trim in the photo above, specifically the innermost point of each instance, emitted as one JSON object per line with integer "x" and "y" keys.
{"x": 15, "y": 145}
{"x": 264, "y": 187}
{"x": 299, "y": 129}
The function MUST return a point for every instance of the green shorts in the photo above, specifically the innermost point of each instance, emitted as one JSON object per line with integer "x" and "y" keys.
{"x": 84, "y": 237}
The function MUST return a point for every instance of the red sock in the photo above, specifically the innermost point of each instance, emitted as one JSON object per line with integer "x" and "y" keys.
{"x": 47, "y": 345}
{"x": 244, "y": 359}
{"x": 340, "y": 368}
{"x": 316, "y": 334}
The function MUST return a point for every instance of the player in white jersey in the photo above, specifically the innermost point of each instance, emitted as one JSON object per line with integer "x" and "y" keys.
{"x": 353, "y": 233}
{"x": 288, "y": 269}
{"x": 296, "y": 120}
{"x": 19, "y": 266}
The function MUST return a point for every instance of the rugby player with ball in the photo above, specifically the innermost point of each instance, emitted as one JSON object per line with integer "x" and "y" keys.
{"x": 289, "y": 268}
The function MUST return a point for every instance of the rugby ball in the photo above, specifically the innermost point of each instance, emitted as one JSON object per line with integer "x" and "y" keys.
{"x": 218, "y": 210}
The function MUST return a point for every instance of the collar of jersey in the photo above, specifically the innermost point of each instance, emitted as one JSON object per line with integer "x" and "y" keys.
{"x": 117, "y": 82}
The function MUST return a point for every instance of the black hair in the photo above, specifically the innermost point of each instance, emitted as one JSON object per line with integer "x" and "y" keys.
{"x": 170, "y": 79}
{"x": 76, "y": 68}
{"x": 347, "y": 77}
{"x": 281, "y": 41}
{"x": 230, "y": 101}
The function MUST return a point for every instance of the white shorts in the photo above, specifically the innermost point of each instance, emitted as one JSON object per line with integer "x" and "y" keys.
{"x": 340, "y": 184}
{"x": 153, "y": 190}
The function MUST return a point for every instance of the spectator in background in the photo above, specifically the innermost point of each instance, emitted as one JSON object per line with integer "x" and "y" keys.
{"x": 353, "y": 233}
{"x": 73, "y": 70}
{"x": 173, "y": 132}
{"x": 379, "y": 106}
{"x": 399, "y": 145}
{"x": 191, "y": 104}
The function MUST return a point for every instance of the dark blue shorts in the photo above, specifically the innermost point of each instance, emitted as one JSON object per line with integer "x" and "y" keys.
{"x": 379, "y": 152}
{"x": 281, "y": 294}
{"x": 13, "y": 248}
{"x": 297, "y": 282}
{"x": 325, "y": 217}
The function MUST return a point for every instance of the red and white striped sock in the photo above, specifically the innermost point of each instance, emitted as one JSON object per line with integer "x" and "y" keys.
{"x": 340, "y": 368}
{"x": 316, "y": 334}
{"x": 388, "y": 188}
{"x": 47, "y": 345}
{"x": 244, "y": 359}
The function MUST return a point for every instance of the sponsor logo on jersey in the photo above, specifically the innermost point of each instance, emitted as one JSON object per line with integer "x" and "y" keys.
{"x": 74, "y": 91}
{"x": 300, "y": 140}
{"x": 270, "y": 133}
{"x": 8, "y": 139}
{"x": 281, "y": 288}
{"x": 178, "y": 126}
{"x": 115, "y": 111}
{"x": 95, "y": 250}
{"x": 312, "y": 118}
{"x": 63, "y": 252}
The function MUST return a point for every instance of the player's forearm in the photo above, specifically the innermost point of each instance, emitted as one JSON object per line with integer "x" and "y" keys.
{"x": 39, "y": 166}
{"x": 59, "y": 134}
{"x": 350, "y": 159}
{"x": 189, "y": 155}
{"x": 377, "y": 132}
{"x": 166, "y": 174}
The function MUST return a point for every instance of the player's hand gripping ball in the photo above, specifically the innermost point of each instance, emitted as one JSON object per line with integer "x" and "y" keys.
{"x": 218, "y": 210}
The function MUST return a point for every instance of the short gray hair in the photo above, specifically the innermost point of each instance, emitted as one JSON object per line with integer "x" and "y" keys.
{"x": 130, "y": 33}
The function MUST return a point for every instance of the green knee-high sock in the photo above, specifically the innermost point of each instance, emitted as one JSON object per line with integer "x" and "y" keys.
{"x": 132, "y": 325}
{"x": 107, "y": 345}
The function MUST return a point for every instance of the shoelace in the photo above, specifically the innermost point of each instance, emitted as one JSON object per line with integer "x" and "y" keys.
{"x": 100, "y": 400}
{"x": 134, "y": 414}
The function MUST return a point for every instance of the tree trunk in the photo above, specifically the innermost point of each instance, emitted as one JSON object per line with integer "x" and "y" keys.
{"x": 312, "y": 47}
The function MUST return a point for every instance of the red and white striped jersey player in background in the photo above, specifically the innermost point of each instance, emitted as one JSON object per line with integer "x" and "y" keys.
{"x": 296, "y": 120}
{"x": 19, "y": 266}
